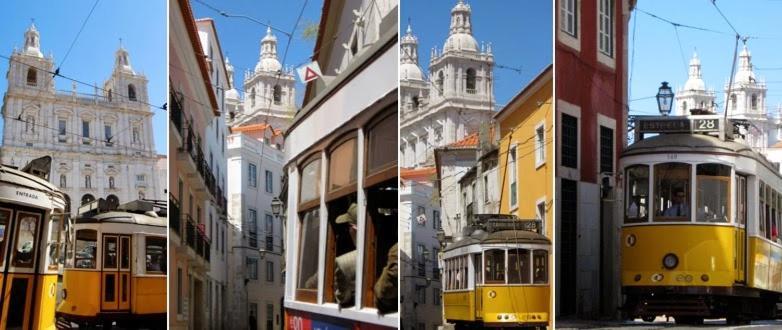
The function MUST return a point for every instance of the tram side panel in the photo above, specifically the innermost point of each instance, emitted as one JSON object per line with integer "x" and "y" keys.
{"x": 47, "y": 293}
{"x": 149, "y": 295}
{"x": 765, "y": 260}
{"x": 460, "y": 305}
{"x": 83, "y": 292}
{"x": 523, "y": 304}
{"x": 700, "y": 250}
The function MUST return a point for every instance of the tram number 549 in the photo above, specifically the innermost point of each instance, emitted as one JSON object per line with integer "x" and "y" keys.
{"x": 706, "y": 125}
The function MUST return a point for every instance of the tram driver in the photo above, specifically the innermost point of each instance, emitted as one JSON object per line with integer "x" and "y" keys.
{"x": 679, "y": 207}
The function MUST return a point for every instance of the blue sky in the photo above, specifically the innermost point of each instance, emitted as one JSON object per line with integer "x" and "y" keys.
{"x": 240, "y": 38}
{"x": 520, "y": 33}
{"x": 658, "y": 56}
{"x": 141, "y": 25}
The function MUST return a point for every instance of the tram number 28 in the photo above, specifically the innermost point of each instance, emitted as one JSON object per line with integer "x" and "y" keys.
{"x": 706, "y": 125}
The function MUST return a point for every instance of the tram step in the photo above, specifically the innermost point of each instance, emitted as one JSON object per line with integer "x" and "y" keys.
{"x": 677, "y": 306}
{"x": 62, "y": 324}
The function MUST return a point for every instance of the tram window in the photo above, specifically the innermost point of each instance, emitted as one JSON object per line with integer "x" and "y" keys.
{"x": 155, "y": 248}
{"x": 741, "y": 199}
{"x": 672, "y": 191}
{"x": 713, "y": 193}
{"x": 341, "y": 252}
{"x": 310, "y": 182}
{"x": 110, "y": 252}
{"x": 86, "y": 248}
{"x": 24, "y": 252}
{"x": 56, "y": 238}
{"x": 769, "y": 211}
{"x": 342, "y": 165}
{"x": 308, "y": 256}
{"x": 540, "y": 267}
{"x": 382, "y": 138}
{"x": 519, "y": 266}
{"x": 478, "y": 269}
{"x": 638, "y": 194}
{"x": 763, "y": 209}
{"x": 380, "y": 247}
{"x": 495, "y": 266}
{"x": 5, "y": 216}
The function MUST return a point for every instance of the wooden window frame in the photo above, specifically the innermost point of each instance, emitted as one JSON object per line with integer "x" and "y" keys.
{"x": 305, "y": 207}
{"x": 390, "y": 170}
{"x": 304, "y": 294}
{"x": 351, "y": 187}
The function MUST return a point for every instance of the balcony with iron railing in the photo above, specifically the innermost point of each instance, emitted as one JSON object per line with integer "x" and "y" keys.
{"x": 174, "y": 216}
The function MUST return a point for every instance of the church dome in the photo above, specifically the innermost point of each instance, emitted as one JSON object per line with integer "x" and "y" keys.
{"x": 695, "y": 84}
{"x": 268, "y": 64}
{"x": 410, "y": 71}
{"x": 460, "y": 42}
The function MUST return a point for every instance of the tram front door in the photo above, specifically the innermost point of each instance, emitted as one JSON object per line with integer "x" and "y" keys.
{"x": 116, "y": 273}
{"x": 18, "y": 250}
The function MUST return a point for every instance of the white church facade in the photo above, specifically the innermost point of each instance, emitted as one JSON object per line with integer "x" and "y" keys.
{"x": 102, "y": 145}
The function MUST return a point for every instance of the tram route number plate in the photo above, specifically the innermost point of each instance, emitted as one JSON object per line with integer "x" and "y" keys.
{"x": 706, "y": 125}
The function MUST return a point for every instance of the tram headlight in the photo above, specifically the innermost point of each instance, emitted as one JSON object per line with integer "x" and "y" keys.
{"x": 492, "y": 294}
{"x": 630, "y": 240}
{"x": 670, "y": 261}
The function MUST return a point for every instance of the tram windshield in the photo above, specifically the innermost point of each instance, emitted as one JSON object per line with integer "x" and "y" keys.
{"x": 519, "y": 266}
{"x": 672, "y": 192}
{"x": 85, "y": 248}
{"x": 713, "y": 193}
{"x": 495, "y": 266}
{"x": 637, "y": 208}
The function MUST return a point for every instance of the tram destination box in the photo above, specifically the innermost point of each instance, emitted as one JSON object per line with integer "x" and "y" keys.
{"x": 681, "y": 124}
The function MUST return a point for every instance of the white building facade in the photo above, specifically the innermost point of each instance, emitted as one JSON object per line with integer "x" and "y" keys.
{"x": 256, "y": 247}
{"x": 215, "y": 209}
{"x": 102, "y": 144}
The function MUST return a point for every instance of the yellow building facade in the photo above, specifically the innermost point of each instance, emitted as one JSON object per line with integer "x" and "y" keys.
{"x": 526, "y": 153}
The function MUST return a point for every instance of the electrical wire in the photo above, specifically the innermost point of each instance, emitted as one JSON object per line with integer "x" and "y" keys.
{"x": 163, "y": 107}
{"x": 84, "y": 23}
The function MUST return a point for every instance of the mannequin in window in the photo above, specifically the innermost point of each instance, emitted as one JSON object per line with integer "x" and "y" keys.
{"x": 679, "y": 207}
{"x": 345, "y": 264}
{"x": 386, "y": 286}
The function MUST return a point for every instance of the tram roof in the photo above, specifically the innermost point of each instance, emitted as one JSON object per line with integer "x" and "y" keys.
{"x": 692, "y": 143}
{"x": 32, "y": 184}
{"x": 123, "y": 217}
{"x": 499, "y": 237}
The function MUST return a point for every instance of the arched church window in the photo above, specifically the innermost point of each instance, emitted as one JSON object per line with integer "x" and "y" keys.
{"x": 252, "y": 97}
{"x": 754, "y": 102}
{"x": 733, "y": 101}
{"x": 277, "y": 94}
{"x": 63, "y": 181}
{"x": 131, "y": 92}
{"x": 684, "y": 107}
{"x": 109, "y": 95}
{"x": 32, "y": 77}
{"x": 416, "y": 103}
{"x": 87, "y": 181}
{"x": 111, "y": 182}
{"x": 470, "y": 81}
{"x": 87, "y": 198}
{"x": 141, "y": 195}
{"x": 440, "y": 79}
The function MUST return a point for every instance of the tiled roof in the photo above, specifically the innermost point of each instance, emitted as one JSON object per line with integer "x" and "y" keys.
{"x": 417, "y": 173}
{"x": 468, "y": 141}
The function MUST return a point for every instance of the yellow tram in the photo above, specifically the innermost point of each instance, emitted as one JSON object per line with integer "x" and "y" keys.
{"x": 33, "y": 216}
{"x": 701, "y": 224}
{"x": 498, "y": 276}
{"x": 116, "y": 267}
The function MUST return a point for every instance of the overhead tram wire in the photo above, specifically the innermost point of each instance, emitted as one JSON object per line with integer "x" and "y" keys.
{"x": 680, "y": 24}
{"x": 229, "y": 15}
{"x": 83, "y": 24}
{"x": 735, "y": 54}
{"x": 164, "y": 107}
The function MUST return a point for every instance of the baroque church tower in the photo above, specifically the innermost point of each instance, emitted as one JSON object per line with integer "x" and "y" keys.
{"x": 461, "y": 91}
{"x": 694, "y": 96}
{"x": 746, "y": 100}
{"x": 270, "y": 95}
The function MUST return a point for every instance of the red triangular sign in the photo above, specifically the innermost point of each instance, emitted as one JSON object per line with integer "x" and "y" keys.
{"x": 310, "y": 74}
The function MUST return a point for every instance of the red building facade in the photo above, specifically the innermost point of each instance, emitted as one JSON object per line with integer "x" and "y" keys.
{"x": 591, "y": 120}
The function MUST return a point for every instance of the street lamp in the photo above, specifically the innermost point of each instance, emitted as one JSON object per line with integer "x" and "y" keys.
{"x": 664, "y": 99}
{"x": 276, "y": 206}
